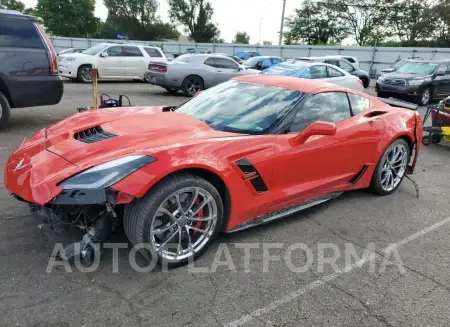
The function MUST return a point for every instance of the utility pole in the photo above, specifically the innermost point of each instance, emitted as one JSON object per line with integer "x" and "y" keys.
{"x": 282, "y": 23}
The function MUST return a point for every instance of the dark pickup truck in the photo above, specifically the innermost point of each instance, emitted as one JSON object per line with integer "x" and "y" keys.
{"x": 28, "y": 65}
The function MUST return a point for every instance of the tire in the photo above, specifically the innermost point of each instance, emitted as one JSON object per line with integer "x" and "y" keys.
{"x": 365, "y": 82}
{"x": 191, "y": 85}
{"x": 5, "y": 110}
{"x": 82, "y": 76}
{"x": 426, "y": 140}
{"x": 424, "y": 98}
{"x": 382, "y": 183}
{"x": 141, "y": 219}
{"x": 170, "y": 90}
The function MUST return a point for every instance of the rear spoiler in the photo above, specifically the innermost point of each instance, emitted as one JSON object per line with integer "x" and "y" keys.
{"x": 399, "y": 103}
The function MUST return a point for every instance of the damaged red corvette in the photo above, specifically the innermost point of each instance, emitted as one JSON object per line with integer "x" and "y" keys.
{"x": 245, "y": 152}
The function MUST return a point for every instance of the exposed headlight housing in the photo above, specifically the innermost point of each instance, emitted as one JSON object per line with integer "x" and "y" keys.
{"x": 106, "y": 174}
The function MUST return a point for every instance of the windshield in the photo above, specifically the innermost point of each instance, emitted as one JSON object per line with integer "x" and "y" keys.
{"x": 422, "y": 68}
{"x": 252, "y": 61}
{"x": 240, "y": 107}
{"x": 95, "y": 49}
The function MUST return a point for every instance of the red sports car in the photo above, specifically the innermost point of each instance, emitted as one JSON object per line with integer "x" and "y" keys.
{"x": 245, "y": 152}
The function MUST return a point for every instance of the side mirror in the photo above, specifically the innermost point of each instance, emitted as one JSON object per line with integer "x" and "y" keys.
{"x": 104, "y": 54}
{"x": 388, "y": 70}
{"x": 239, "y": 69}
{"x": 317, "y": 128}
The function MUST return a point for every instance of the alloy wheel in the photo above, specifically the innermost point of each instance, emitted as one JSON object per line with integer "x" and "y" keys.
{"x": 183, "y": 223}
{"x": 86, "y": 74}
{"x": 394, "y": 167}
{"x": 426, "y": 96}
{"x": 193, "y": 86}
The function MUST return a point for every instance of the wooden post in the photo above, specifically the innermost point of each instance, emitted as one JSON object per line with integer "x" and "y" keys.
{"x": 94, "y": 87}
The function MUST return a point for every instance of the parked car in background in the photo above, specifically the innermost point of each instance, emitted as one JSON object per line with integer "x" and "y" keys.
{"x": 262, "y": 62}
{"x": 244, "y": 55}
{"x": 353, "y": 60}
{"x": 193, "y": 51}
{"x": 237, "y": 59}
{"x": 313, "y": 70}
{"x": 28, "y": 65}
{"x": 417, "y": 80}
{"x": 193, "y": 73}
{"x": 345, "y": 65}
{"x": 113, "y": 61}
{"x": 71, "y": 50}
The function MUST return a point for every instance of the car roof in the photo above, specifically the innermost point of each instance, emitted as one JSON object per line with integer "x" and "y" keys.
{"x": 293, "y": 83}
{"x": 131, "y": 44}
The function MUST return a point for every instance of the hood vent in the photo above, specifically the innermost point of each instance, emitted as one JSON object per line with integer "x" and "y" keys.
{"x": 93, "y": 134}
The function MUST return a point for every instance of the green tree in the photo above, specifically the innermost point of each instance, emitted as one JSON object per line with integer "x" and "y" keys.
{"x": 12, "y": 5}
{"x": 241, "y": 38}
{"x": 267, "y": 42}
{"x": 139, "y": 19}
{"x": 365, "y": 18}
{"x": 195, "y": 16}
{"x": 315, "y": 23}
{"x": 31, "y": 11}
{"x": 68, "y": 17}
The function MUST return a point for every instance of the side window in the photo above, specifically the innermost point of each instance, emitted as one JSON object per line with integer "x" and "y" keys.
{"x": 346, "y": 66}
{"x": 211, "y": 62}
{"x": 225, "y": 63}
{"x": 350, "y": 59}
{"x": 318, "y": 72}
{"x": 358, "y": 103}
{"x": 154, "y": 53}
{"x": 266, "y": 63}
{"x": 19, "y": 33}
{"x": 443, "y": 69}
{"x": 131, "y": 52}
{"x": 334, "y": 72}
{"x": 331, "y": 107}
{"x": 114, "y": 51}
{"x": 276, "y": 61}
{"x": 332, "y": 62}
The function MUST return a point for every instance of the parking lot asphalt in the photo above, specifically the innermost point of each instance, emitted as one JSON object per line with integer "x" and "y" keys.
{"x": 406, "y": 286}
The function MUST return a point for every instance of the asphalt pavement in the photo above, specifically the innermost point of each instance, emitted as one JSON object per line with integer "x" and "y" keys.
{"x": 393, "y": 267}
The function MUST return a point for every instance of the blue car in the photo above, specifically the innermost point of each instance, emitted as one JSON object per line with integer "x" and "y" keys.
{"x": 244, "y": 55}
{"x": 262, "y": 62}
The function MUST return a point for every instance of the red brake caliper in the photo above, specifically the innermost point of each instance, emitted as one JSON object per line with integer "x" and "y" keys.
{"x": 200, "y": 214}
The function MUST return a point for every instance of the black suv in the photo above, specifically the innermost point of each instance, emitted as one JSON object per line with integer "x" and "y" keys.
{"x": 419, "y": 80}
{"x": 28, "y": 65}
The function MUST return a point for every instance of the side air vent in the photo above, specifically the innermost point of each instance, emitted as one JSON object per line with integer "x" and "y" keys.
{"x": 93, "y": 135}
{"x": 252, "y": 175}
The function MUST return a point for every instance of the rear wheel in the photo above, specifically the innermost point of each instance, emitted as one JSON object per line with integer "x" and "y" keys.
{"x": 191, "y": 85}
{"x": 391, "y": 168}
{"x": 178, "y": 219}
{"x": 5, "y": 110}
{"x": 84, "y": 74}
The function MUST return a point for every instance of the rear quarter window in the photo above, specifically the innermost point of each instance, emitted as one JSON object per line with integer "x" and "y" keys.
{"x": 19, "y": 33}
{"x": 358, "y": 103}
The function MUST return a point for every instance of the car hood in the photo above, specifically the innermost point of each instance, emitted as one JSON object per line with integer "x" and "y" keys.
{"x": 74, "y": 55}
{"x": 404, "y": 75}
{"x": 123, "y": 130}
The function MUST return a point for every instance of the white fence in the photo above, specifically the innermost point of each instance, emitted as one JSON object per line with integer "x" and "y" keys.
{"x": 372, "y": 59}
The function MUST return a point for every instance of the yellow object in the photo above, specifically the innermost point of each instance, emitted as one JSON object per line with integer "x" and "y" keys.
{"x": 446, "y": 131}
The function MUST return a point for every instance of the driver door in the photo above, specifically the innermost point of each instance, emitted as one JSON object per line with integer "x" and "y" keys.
{"x": 323, "y": 164}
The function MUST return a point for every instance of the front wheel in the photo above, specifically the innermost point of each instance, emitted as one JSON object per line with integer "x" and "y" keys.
{"x": 84, "y": 74}
{"x": 424, "y": 97}
{"x": 391, "y": 168}
{"x": 177, "y": 220}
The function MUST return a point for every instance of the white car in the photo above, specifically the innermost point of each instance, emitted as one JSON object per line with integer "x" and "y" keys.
{"x": 113, "y": 62}
{"x": 353, "y": 60}
{"x": 316, "y": 70}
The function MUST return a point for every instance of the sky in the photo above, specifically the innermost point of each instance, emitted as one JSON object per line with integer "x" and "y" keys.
{"x": 231, "y": 16}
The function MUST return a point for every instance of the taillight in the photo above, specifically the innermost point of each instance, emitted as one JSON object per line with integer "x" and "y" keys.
{"x": 158, "y": 67}
{"x": 51, "y": 53}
